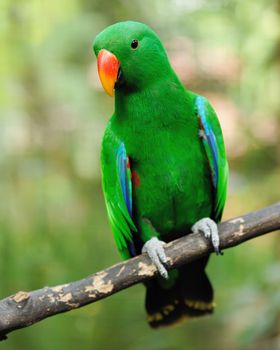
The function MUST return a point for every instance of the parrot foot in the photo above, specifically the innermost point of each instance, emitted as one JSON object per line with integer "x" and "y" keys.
{"x": 154, "y": 249}
{"x": 210, "y": 231}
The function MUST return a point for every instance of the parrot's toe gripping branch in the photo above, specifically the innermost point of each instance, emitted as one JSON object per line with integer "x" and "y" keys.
{"x": 210, "y": 231}
{"x": 154, "y": 249}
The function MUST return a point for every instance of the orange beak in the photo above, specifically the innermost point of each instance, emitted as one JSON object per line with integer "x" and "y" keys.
{"x": 108, "y": 68}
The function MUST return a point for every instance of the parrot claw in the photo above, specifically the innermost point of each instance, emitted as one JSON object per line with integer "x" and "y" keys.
{"x": 210, "y": 231}
{"x": 154, "y": 249}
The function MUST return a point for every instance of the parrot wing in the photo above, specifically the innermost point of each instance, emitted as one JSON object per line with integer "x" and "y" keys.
{"x": 117, "y": 188}
{"x": 212, "y": 138}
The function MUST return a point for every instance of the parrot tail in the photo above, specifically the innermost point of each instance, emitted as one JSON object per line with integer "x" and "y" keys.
{"x": 187, "y": 293}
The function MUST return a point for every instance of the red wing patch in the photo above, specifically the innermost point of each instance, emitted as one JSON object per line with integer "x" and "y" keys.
{"x": 136, "y": 179}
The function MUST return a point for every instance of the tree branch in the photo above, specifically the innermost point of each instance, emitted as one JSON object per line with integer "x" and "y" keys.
{"x": 26, "y": 308}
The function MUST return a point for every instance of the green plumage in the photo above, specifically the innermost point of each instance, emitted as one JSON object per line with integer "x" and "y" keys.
{"x": 156, "y": 119}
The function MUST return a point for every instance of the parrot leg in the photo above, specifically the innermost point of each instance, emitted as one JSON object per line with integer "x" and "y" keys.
{"x": 210, "y": 231}
{"x": 154, "y": 247}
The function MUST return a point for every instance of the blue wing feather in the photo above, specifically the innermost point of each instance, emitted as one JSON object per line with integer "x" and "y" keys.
{"x": 124, "y": 173}
{"x": 124, "y": 176}
{"x": 215, "y": 151}
{"x": 209, "y": 138}
{"x": 212, "y": 143}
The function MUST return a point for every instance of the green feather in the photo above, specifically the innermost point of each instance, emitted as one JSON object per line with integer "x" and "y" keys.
{"x": 120, "y": 220}
{"x": 222, "y": 173}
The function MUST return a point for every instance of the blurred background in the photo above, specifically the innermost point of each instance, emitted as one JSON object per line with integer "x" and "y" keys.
{"x": 53, "y": 223}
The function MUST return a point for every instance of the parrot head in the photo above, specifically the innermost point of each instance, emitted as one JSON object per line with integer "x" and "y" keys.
{"x": 130, "y": 57}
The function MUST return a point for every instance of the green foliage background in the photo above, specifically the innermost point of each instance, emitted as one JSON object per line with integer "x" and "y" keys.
{"x": 53, "y": 224}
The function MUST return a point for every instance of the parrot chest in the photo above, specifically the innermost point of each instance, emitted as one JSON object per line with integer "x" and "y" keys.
{"x": 171, "y": 179}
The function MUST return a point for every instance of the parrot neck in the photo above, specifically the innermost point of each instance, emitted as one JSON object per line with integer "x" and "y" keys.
{"x": 149, "y": 104}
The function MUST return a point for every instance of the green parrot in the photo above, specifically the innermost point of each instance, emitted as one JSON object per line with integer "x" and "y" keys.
{"x": 164, "y": 167}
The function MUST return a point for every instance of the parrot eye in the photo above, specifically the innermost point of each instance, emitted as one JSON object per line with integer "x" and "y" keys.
{"x": 134, "y": 44}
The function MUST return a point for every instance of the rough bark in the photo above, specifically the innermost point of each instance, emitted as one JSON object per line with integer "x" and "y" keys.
{"x": 26, "y": 308}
